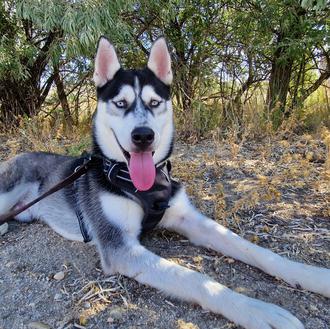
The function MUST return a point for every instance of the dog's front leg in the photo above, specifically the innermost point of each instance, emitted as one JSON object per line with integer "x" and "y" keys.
{"x": 184, "y": 218}
{"x": 135, "y": 261}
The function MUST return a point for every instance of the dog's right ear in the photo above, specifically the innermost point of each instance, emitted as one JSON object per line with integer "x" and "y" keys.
{"x": 106, "y": 62}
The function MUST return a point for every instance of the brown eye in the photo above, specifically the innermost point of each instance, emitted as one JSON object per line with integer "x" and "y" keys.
{"x": 154, "y": 103}
{"x": 121, "y": 104}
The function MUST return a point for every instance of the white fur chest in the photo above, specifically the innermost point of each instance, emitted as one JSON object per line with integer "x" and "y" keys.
{"x": 123, "y": 212}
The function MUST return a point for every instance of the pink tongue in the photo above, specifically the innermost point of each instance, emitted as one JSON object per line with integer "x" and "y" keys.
{"x": 142, "y": 170}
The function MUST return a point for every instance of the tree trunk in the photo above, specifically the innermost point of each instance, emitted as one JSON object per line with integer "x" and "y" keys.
{"x": 295, "y": 100}
{"x": 18, "y": 99}
{"x": 68, "y": 120}
{"x": 184, "y": 79}
{"x": 279, "y": 82}
{"x": 76, "y": 106}
{"x": 25, "y": 97}
{"x": 234, "y": 110}
{"x": 282, "y": 65}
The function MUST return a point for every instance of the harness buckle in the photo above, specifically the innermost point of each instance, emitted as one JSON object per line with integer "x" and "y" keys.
{"x": 87, "y": 159}
{"x": 108, "y": 167}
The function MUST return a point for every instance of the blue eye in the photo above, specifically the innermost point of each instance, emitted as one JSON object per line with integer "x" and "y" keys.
{"x": 121, "y": 104}
{"x": 154, "y": 103}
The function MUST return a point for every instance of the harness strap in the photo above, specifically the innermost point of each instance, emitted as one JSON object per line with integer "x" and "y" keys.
{"x": 81, "y": 170}
{"x": 155, "y": 201}
{"x": 82, "y": 225}
{"x": 76, "y": 205}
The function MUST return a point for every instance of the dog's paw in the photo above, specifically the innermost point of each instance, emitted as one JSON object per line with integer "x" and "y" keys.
{"x": 312, "y": 278}
{"x": 256, "y": 314}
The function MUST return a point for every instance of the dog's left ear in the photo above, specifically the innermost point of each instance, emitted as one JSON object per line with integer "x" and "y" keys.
{"x": 160, "y": 61}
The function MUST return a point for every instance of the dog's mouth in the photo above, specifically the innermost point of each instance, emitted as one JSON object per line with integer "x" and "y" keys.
{"x": 141, "y": 167}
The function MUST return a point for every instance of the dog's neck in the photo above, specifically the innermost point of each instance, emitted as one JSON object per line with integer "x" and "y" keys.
{"x": 96, "y": 149}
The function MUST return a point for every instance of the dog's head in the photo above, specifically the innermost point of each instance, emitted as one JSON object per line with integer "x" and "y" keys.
{"x": 134, "y": 119}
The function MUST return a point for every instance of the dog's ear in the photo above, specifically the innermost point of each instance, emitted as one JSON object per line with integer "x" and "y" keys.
{"x": 106, "y": 62}
{"x": 160, "y": 61}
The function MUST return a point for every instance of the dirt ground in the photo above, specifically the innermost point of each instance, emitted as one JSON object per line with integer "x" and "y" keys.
{"x": 274, "y": 193}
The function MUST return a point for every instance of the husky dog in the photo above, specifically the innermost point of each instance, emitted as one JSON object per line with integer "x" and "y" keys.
{"x": 128, "y": 190}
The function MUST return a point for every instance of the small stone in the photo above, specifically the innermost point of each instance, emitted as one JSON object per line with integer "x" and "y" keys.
{"x": 58, "y": 297}
{"x": 241, "y": 290}
{"x": 87, "y": 305}
{"x": 82, "y": 320}
{"x": 38, "y": 325}
{"x": 313, "y": 308}
{"x": 4, "y": 228}
{"x": 59, "y": 276}
{"x": 230, "y": 260}
{"x": 181, "y": 324}
{"x": 116, "y": 313}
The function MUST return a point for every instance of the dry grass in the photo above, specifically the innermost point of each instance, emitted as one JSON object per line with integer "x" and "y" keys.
{"x": 40, "y": 135}
{"x": 259, "y": 175}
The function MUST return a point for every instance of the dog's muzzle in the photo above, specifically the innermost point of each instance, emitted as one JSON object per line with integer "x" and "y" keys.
{"x": 143, "y": 137}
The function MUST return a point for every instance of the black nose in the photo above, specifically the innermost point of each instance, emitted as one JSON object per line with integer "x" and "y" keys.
{"x": 143, "y": 137}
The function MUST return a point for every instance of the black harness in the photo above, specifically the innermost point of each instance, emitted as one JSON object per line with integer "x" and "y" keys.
{"x": 154, "y": 202}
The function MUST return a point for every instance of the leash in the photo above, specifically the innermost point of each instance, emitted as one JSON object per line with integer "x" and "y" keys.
{"x": 81, "y": 170}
